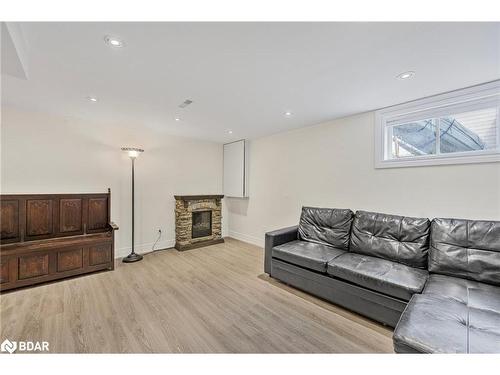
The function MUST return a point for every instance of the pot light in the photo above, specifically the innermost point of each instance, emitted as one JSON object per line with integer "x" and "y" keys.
{"x": 92, "y": 99}
{"x": 288, "y": 114}
{"x": 229, "y": 131}
{"x": 406, "y": 75}
{"x": 113, "y": 41}
{"x": 185, "y": 103}
{"x": 177, "y": 119}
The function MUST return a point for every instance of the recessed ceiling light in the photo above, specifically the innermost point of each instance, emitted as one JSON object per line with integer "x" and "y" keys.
{"x": 113, "y": 41}
{"x": 288, "y": 114}
{"x": 229, "y": 131}
{"x": 92, "y": 99}
{"x": 177, "y": 119}
{"x": 406, "y": 75}
{"x": 185, "y": 103}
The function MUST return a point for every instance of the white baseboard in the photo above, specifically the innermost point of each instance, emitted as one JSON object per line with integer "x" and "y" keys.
{"x": 144, "y": 248}
{"x": 247, "y": 238}
{"x": 147, "y": 247}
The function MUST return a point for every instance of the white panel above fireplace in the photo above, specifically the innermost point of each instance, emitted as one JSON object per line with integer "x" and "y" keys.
{"x": 235, "y": 169}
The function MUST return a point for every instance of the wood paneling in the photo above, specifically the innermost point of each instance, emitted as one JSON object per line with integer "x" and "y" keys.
{"x": 70, "y": 215}
{"x": 99, "y": 254}
{"x": 39, "y": 217}
{"x": 33, "y": 266}
{"x": 51, "y": 236}
{"x": 9, "y": 219}
{"x": 98, "y": 213}
{"x": 69, "y": 260}
{"x": 4, "y": 271}
{"x": 34, "y": 217}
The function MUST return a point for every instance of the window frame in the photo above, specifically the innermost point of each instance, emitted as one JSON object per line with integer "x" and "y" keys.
{"x": 464, "y": 100}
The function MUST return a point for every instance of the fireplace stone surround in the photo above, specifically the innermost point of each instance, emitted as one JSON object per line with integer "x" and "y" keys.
{"x": 185, "y": 206}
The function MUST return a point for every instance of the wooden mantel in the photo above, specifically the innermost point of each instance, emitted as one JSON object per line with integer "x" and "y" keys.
{"x": 196, "y": 197}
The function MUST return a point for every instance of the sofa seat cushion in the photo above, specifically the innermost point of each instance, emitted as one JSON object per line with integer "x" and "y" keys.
{"x": 437, "y": 324}
{"x": 432, "y": 324}
{"x": 390, "y": 278}
{"x": 306, "y": 254}
{"x": 472, "y": 293}
{"x": 452, "y": 315}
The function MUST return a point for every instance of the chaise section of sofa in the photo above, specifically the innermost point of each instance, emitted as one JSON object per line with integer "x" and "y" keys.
{"x": 459, "y": 309}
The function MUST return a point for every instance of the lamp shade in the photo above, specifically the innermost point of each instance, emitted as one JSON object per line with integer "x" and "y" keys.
{"x": 133, "y": 152}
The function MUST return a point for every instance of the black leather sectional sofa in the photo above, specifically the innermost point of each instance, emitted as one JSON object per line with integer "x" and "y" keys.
{"x": 437, "y": 282}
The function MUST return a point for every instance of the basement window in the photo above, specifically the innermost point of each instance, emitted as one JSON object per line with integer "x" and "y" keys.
{"x": 453, "y": 128}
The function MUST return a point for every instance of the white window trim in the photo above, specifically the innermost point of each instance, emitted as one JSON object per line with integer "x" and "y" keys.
{"x": 477, "y": 95}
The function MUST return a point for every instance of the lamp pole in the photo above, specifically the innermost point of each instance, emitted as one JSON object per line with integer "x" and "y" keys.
{"x": 133, "y": 204}
{"x": 133, "y": 153}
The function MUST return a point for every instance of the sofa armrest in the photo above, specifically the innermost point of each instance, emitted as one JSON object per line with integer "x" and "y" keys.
{"x": 275, "y": 238}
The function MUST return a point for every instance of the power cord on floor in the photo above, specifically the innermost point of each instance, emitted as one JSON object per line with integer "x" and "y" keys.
{"x": 153, "y": 247}
{"x": 159, "y": 235}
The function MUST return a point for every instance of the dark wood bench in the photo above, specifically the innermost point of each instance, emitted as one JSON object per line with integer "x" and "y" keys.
{"x": 46, "y": 237}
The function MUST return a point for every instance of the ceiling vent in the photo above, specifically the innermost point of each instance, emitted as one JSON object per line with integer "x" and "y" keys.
{"x": 185, "y": 103}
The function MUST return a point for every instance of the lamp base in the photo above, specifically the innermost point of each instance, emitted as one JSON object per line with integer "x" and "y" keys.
{"x": 132, "y": 257}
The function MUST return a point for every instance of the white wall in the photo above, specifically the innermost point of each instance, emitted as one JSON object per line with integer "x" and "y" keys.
{"x": 331, "y": 165}
{"x": 314, "y": 166}
{"x": 47, "y": 154}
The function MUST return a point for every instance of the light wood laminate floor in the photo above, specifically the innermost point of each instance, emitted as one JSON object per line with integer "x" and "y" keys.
{"x": 209, "y": 300}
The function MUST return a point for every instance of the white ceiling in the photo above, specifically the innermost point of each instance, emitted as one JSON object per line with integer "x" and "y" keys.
{"x": 244, "y": 76}
{"x": 13, "y": 51}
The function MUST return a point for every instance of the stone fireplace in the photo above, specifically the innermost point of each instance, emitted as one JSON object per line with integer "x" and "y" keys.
{"x": 197, "y": 221}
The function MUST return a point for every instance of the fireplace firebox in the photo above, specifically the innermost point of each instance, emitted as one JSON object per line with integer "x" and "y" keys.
{"x": 202, "y": 224}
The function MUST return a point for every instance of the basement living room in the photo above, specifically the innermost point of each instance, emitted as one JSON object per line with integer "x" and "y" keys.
{"x": 250, "y": 187}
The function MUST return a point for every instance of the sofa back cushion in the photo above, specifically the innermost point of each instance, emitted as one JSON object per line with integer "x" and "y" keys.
{"x": 397, "y": 238}
{"x": 466, "y": 248}
{"x": 327, "y": 226}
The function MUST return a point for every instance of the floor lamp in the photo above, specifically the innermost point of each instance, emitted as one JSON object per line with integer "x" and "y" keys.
{"x": 133, "y": 153}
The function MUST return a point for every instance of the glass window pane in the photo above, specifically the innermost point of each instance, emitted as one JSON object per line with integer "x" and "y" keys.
{"x": 413, "y": 139}
{"x": 469, "y": 131}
